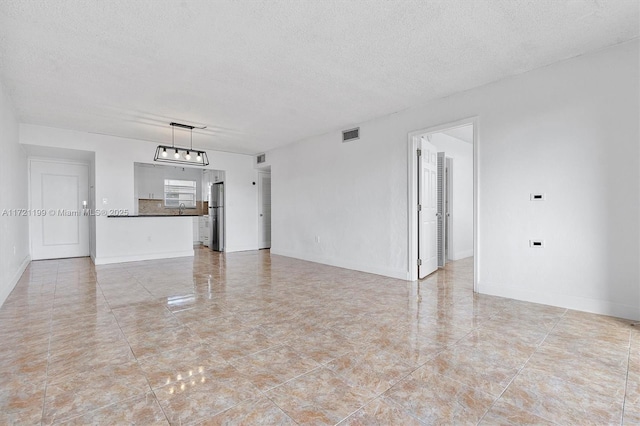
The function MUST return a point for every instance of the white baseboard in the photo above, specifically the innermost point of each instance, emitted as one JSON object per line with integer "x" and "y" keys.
{"x": 595, "y": 306}
{"x": 386, "y": 272}
{"x": 6, "y": 290}
{"x": 106, "y": 260}
{"x": 233, "y": 249}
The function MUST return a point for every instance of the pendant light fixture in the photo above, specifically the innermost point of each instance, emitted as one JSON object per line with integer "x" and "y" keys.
{"x": 181, "y": 155}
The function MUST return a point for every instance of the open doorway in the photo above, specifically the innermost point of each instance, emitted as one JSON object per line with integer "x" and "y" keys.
{"x": 264, "y": 208}
{"x": 442, "y": 197}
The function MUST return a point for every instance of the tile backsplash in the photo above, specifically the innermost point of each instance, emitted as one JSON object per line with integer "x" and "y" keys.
{"x": 148, "y": 206}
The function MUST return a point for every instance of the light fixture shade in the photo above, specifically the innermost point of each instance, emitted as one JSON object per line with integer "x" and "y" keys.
{"x": 181, "y": 155}
{"x": 200, "y": 160}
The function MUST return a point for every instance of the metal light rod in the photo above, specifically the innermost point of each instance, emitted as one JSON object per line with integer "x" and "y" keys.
{"x": 186, "y": 126}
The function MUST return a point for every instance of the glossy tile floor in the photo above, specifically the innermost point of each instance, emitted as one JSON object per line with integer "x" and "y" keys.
{"x": 250, "y": 338}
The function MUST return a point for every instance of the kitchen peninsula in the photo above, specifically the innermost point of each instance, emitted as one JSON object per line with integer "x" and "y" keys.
{"x": 138, "y": 237}
{"x": 169, "y": 215}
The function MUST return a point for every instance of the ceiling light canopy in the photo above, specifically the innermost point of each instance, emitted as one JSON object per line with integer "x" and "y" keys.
{"x": 176, "y": 154}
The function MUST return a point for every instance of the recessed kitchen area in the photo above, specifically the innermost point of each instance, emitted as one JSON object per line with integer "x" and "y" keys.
{"x": 162, "y": 190}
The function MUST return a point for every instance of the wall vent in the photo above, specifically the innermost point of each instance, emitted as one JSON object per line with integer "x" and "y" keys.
{"x": 261, "y": 158}
{"x": 351, "y": 134}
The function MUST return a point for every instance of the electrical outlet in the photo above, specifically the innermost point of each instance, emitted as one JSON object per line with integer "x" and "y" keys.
{"x": 317, "y": 238}
{"x": 149, "y": 238}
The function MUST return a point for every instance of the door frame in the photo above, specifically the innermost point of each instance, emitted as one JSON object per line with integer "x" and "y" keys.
{"x": 412, "y": 195}
{"x": 449, "y": 219}
{"x": 261, "y": 173}
{"x": 90, "y": 189}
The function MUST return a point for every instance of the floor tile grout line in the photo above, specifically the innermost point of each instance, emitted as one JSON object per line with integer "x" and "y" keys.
{"x": 522, "y": 368}
{"x": 46, "y": 376}
{"x": 376, "y": 396}
{"x": 134, "y": 356}
{"x": 94, "y": 410}
{"x": 558, "y": 325}
{"x": 260, "y": 394}
{"x": 399, "y": 380}
{"x": 279, "y": 407}
{"x": 626, "y": 381}
{"x": 230, "y": 360}
{"x": 355, "y": 411}
{"x": 138, "y": 359}
{"x": 319, "y": 367}
{"x": 386, "y": 401}
{"x": 430, "y": 358}
{"x": 155, "y": 397}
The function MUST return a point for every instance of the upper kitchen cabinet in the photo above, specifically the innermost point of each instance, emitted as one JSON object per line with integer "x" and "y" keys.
{"x": 207, "y": 178}
{"x": 149, "y": 181}
{"x": 210, "y": 177}
{"x": 152, "y": 181}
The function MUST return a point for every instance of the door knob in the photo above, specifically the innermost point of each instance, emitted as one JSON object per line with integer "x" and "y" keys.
{"x": 260, "y": 214}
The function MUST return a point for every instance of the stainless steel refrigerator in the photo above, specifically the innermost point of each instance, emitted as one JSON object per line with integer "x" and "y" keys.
{"x": 216, "y": 216}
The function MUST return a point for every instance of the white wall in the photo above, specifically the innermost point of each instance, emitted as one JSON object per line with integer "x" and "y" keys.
{"x": 569, "y": 130}
{"x": 462, "y": 193}
{"x": 133, "y": 239}
{"x": 114, "y": 180}
{"x": 14, "y": 230}
{"x": 352, "y": 196}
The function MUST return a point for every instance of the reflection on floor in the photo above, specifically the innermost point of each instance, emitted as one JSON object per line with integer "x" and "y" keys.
{"x": 250, "y": 338}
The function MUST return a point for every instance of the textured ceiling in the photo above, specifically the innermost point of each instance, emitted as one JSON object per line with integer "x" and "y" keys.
{"x": 261, "y": 74}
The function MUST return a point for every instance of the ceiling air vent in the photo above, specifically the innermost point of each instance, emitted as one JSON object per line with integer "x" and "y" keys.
{"x": 261, "y": 158}
{"x": 351, "y": 134}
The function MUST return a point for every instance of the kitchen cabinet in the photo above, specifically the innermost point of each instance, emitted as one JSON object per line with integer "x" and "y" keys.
{"x": 196, "y": 229}
{"x": 209, "y": 177}
{"x": 204, "y": 230}
{"x": 150, "y": 182}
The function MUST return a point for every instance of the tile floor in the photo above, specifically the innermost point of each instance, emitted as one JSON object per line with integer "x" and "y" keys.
{"x": 250, "y": 338}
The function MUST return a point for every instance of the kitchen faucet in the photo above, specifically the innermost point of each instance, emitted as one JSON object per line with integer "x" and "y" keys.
{"x": 181, "y": 209}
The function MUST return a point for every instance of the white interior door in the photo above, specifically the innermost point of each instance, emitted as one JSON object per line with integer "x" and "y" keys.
{"x": 427, "y": 215}
{"x": 449, "y": 209}
{"x": 264, "y": 201}
{"x": 57, "y": 193}
{"x": 441, "y": 214}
